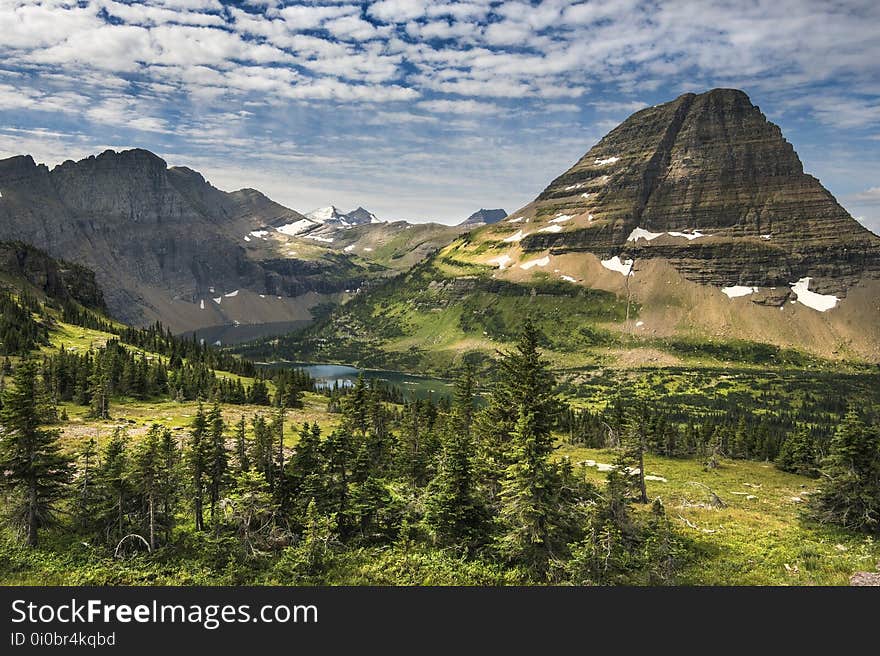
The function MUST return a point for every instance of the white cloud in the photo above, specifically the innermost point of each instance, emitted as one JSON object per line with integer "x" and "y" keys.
{"x": 869, "y": 196}
{"x": 398, "y": 11}
{"x": 458, "y": 107}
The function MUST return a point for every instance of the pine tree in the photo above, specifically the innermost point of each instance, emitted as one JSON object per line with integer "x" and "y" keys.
{"x": 850, "y": 491}
{"x": 454, "y": 511}
{"x": 262, "y": 456}
{"x": 634, "y": 443}
{"x": 113, "y": 482}
{"x": 30, "y": 458}
{"x": 86, "y": 484}
{"x": 798, "y": 454}
{"x": 304, "y": 473}
{"x": 99, "y": 386}
{"x": 198, "y": 465}
{"x": 169, "y": 490}
{"x": 534, "y": 520}
{"x": 216, "y": 460}
{"x": 241, "y": 450}
{"x": 525, "y": 382}
{"x": 149, "y": 478}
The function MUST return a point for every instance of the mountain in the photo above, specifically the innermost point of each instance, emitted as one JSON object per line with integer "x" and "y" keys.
{"x": 331, "y": 215}
{"x": 484, "y": 217}
{"x": 163, "y": 242}
{"x": 25, "y": 268}
{"x": 690, "y": 231}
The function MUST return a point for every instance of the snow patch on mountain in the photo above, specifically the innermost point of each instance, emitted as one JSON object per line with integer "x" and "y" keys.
{"x": 641, "y": 233}
{"x": 502, "y": 261}
{"x": 518, "y": 235}
{"x": 820, "y": 302}
{"x": 735, "y": 291}
{"x": 296, "y": 227}
{"x": 541, "y": 262}
{"x": 562, "y": 218}
{"x": 616, "y": 264}
{"x": 607, "y": 160}
{"x": 551, "y": 228}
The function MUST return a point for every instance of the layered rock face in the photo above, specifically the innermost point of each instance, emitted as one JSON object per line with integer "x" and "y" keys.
{"x": 708, "y": 183}
{"x": 149, "y": 232}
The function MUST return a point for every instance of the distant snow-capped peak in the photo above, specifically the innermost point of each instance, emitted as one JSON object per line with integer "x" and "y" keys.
{"x": 331, "y": 214}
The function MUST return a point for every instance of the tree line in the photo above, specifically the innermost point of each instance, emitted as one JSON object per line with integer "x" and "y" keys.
{"x": 479, "y": 481}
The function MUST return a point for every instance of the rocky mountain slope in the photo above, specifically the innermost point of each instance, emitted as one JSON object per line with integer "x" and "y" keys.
{"x": 165, "y": 244}
{"x": 23, "y": 267}
{"x": 690, "y": 224}
{"x": 706, "y": 183}
{"x": 484, "y": 217}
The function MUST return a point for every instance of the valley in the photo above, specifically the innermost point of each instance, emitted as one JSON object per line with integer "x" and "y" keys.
{"x": 661, "y": 371}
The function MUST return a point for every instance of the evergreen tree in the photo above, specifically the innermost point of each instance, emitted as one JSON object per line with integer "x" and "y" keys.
{"x": 262, "y": 457}
{"x": 216, "y": 460}
{"x": 30, "y": 458}
{"x": 99, "y": 386}
{"x": 304, "y": 473}
{"x": 534, "y": 521}
{"x": 86, "y": 484}
{"x": 241, "y": 450}
{"x": 114, "y": 484}
{"x": 454, "y": 511}
{"x": 850, "y": 491}
{"x": 797, "y": 454}
{"x": 197, "y": 459}
{"x": 525, "y": 383}
{"x": 149, "y": 478}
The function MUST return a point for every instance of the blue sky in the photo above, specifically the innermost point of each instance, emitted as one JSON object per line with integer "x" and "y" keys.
{"x": 426, "y": 110}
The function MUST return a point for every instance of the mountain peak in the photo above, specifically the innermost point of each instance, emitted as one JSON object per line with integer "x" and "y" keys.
{"x": 484, "y": 217}
{"x": 708, "y": 184}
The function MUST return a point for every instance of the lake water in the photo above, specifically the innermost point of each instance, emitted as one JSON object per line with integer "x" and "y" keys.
{"x": 327, "y": 375}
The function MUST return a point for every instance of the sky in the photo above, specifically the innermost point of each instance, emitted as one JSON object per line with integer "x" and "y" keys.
{"x": 426, "y": 110}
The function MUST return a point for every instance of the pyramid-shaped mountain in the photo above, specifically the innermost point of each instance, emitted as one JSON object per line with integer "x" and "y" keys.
{"x": 709, "y": 184}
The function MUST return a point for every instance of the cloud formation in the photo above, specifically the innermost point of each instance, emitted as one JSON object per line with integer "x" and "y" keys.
{"x": 430, "y": 79}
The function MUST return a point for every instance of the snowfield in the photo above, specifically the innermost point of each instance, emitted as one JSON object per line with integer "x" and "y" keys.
{"x": 641, "y": 233}
{"x": 542, "y": 262}
{"x": 502, "y": 261}
{"x": 296, "y": 227}
{"x": 820, "y": 302}
{"x": 567, "y": 278}
{"x": 562, "y": 218}
{"x": 231, "y": 294}
{"x": 328, "y": 240}
{"x": 735, "y": 291}
{"x": 519, "y": 234}
{"x": 551, "y": 228}
{"x": 615, "y": 264}
{"x": 516, "y": 220}
{"x": 259, "y": 233}
{"x": 606, "y": 161}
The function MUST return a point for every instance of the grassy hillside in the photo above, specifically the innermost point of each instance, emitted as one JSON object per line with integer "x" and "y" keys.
{"x": 446, "y": 312}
